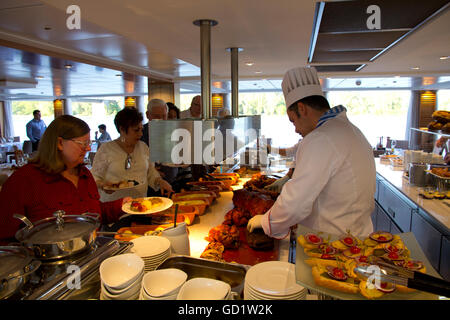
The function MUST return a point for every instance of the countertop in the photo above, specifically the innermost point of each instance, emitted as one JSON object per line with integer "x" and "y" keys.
{"x": 437, "y": 209}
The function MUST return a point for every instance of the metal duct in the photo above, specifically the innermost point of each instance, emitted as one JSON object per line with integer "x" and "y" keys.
{"x": 235, "y": 80}
{"x": 205, "y": 50}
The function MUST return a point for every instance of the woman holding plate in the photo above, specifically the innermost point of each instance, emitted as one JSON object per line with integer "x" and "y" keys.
{"x": 127, "y": 159}
{"x": 55, "y": 179}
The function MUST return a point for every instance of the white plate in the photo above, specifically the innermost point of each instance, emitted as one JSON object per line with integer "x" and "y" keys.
{"x": 150, "y": 246}
{"x": 167, "y": 203}
{"x": 274, "y": 278}
{"x": 251, "y": 293}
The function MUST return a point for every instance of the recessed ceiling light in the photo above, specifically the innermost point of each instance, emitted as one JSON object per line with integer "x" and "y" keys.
{"x": 249, "y": 64}
{"x": 68, "y": 66}
{"x": 415, "y": 68}
{"x": 444, "y": 57}
{"x": 258, "y": 71}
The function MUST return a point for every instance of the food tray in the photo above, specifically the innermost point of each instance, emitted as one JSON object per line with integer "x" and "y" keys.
{"x": 179, "y": 197}
{"x": 231, "y": 273}
{"x": 305, "y": 278}
{"x": 442, "y": 183}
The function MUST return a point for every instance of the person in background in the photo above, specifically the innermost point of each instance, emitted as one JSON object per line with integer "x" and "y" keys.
{"x": 127, "y": 159}
{"x": 35, "y": 129}
{"x": 104, "y": 135}
{"x": 55, "y": 179}
{"x": 174, "y": 112}
{"x": 195, "y": 110}
{"x": 157, "y": 109}
{"x": 332, "y": 188}
{"x": 222, "y": 113}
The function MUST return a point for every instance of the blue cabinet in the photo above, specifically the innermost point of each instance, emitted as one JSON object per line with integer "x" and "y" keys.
{"x": 428, "y": 237}
{"x": 398, "y": 208}
{"x": 445, "y": 258}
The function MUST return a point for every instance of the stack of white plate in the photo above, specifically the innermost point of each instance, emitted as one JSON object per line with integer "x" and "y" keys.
{"x": 152, "y": 249}
{"x": 121, "y": 277}
{"x": 273, "y": 280}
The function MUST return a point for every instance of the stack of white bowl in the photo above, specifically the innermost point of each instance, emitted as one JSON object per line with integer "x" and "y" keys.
{"x": 121, "y": 277}
{"x": 163, "y": 284}
{"x": 273, "y": 280}
{"x": 152, "y": 249}
{"x": 205, "y": 289}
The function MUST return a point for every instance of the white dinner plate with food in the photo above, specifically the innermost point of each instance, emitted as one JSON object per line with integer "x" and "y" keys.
{"x": 147, "y": 205}
{"x": 121, "y": 185}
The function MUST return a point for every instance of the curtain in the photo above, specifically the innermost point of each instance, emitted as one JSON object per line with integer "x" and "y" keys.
{"x": 413, "y": 119}
{"x": 8, "y": 127}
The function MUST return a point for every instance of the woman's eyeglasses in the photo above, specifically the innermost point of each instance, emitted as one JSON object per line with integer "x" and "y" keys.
{"x": 128, "y": 162}
{"x": 83, "y": 144}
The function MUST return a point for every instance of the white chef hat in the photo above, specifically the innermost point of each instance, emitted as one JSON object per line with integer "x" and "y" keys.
{"x": 299, "y": 83}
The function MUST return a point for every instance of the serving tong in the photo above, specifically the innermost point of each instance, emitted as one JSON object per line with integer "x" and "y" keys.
{"x": 408, "y": 278}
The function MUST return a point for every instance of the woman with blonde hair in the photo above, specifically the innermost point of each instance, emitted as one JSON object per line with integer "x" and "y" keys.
{"x": 55, "y": 179}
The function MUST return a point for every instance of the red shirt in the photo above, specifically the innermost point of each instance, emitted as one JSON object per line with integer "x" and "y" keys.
{"x": 37, "y": 195}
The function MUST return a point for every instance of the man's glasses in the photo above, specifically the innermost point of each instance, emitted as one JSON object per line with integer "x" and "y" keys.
{"x": 83, "y": 144}
{"x": 128, "y": 162}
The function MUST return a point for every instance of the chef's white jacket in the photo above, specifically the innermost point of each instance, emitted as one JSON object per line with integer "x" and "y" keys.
{"x": 333, "y": 185}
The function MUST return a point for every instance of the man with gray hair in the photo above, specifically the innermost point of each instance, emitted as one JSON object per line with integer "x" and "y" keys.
{"x": 157, "y": 109}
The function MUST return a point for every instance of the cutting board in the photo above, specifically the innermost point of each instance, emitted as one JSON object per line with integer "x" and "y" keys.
{"x": 246, "y": 255}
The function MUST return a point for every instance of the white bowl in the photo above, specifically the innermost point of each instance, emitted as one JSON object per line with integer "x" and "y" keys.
{"x": 132, "y": 286}
{"x": 121, "y": 271}
{"x": 145, "y": 296}
{"x": 163, "y": 282}
{"x": 204, "y": 289}
{"x": 133, "y": 293}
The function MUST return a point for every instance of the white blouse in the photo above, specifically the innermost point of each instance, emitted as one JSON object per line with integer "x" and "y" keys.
{"x": 109, "y": 165}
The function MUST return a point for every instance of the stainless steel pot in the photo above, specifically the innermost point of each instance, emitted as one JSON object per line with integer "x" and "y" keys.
{"x": 16, "y": 266}
{"x": 60, "y": 236}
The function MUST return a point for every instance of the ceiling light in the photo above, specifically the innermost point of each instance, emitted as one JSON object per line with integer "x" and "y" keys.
{"x": 415, "y": 68}
{"x": 249, "y": 64}
{"x": 258, "y": 71}
{"x": 444, "y": 57}
{"x": 39, "y": 77}
{"x": 68, "y": 66}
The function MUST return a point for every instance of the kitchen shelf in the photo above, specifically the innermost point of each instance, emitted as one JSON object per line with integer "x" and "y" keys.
{"x": 432, "y": 132}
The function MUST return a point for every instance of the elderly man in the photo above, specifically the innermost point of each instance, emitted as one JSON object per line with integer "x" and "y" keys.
{"x": 195, "y": 111}
{"x": 157, "y": 109}
{"x": 332, "y": 188}
{"x": 35, "y": 129}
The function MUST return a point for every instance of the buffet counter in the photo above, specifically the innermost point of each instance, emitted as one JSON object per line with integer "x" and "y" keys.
{"x": 214, "y": 216}
{"x": 437, "y": 209}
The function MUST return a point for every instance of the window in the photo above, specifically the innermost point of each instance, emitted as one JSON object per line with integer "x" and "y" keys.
{"x": 443, "y": 100}
{"x": 376, "y": 113}
{"x": 22, "y": 113}
{"x": 99, "y": 111}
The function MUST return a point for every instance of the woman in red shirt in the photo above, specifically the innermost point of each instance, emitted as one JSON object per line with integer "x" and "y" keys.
{"x": 55, "y": 179}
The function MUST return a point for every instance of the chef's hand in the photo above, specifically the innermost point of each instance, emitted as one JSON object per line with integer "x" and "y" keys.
{"x": 165, "y": 187}
{"x": 254, "y": 223}
{"x": 277, "y": 185}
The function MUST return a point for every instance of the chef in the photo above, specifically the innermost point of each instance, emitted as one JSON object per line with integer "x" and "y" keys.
{"x": 332, "y": 188}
